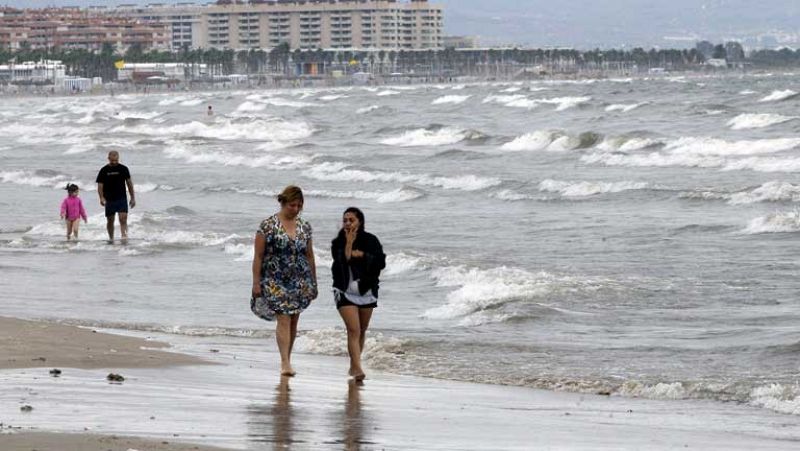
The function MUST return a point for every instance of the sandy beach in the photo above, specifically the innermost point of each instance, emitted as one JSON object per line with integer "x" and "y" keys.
{"x": 242, "y": 403}
{"x": 27, "y": 344}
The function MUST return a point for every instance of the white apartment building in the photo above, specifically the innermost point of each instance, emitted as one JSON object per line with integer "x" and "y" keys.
{"x": 303, "y": 24}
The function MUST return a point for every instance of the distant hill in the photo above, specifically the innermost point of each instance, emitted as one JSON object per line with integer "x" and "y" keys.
{"x": 615, "y": 23}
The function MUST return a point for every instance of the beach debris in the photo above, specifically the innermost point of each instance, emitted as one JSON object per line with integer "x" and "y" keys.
{"x": 55, "y": 372}
{"x": 214, "y": 350}
{"x": 26, "y": 408}
{"x": 604, "y": 393}
{"x": 113, "y": 377}
{"x": 39, "y": 359}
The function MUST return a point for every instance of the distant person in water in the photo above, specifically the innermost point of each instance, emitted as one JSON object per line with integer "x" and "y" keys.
{"x": 112, "y": 180}
{"x": 358, "y": 259}
{"x": 72, "y": 211}
{"x": 284, "y": 271}
{"x": 210, "y": 111}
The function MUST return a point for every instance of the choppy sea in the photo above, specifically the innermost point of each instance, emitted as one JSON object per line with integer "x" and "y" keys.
{"x": 636, "y": 237}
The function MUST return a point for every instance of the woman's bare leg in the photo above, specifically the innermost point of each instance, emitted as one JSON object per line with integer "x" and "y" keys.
{"x": 283, "y": 335}
{"x": 364, "y": 316}
{"x": 350, "y": 316}
{"x": 293, "y": 334}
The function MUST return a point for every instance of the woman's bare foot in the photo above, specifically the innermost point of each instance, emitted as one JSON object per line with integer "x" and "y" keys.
{"x": 357, "y": 374}
{"x": 286, "y": 370}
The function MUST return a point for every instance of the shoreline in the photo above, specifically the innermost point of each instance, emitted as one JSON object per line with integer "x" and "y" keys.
{"x": 51, "y": 441}
{"x": 240, "y": 402}
{"x": 211, "y": 88}
{"x": 32, "y": 344}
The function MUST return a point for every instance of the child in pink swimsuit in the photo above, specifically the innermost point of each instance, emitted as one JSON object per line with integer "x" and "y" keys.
{"x": 72, "y": 211}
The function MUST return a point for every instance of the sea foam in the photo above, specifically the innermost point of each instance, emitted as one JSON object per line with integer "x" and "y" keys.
{"x": 747, "y": 121}
{"x": 583, "y": 189}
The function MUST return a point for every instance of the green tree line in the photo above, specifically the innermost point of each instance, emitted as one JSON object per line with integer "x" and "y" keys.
{"x": 283, "y": 60}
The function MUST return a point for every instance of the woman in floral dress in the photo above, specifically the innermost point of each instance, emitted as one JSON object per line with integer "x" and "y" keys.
{"x": 284, "y": 271}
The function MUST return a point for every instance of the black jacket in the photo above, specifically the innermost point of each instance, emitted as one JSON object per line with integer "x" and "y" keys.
{"x": 366, "y": 270}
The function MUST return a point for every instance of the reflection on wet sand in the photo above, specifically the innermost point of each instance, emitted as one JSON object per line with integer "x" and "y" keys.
{"x": 291, "y": 420}
{"x": 274, "y": 423}
{"x": 353, "y": 427}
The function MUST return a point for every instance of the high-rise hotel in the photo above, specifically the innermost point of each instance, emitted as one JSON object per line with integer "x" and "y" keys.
{"x": 303, "y": 24}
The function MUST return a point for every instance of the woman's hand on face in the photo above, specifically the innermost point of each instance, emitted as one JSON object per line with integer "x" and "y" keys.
{"x": 350, "y": 234}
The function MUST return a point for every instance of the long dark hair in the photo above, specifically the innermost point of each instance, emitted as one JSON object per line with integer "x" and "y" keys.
{"x": 359, "y": 214}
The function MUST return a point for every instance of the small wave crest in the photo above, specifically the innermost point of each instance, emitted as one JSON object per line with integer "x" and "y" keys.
{"x": 451, "y": 100}
{"x": 522, "y": 101}
{"x": 774, "y": 191}
{"x": 623, "y": 107}
{"x": 778, "y": 222}
{"x": 481, "y": 295}
{"x": 342, "y": 172}
{"x": 432, "y": 137}
{"x": 583, "y": 189}
{"x": 748, "y": 121}
{"x": 551, "y": 140}
{"x": 272, "y": 130}
{"x": 779, "y": 95}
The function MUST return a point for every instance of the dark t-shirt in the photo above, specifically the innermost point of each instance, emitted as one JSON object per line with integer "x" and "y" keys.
{"x": 113, "y": 179}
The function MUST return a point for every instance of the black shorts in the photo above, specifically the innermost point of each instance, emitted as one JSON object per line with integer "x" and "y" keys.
{"x": 342, "y": 301}
{"x": 116, "y": 206}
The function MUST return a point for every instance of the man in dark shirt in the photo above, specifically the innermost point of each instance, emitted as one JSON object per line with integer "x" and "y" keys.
{"x": 111, "y": 182}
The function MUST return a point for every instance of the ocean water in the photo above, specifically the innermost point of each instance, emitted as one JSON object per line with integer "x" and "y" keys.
{"x": 636, "y": 237}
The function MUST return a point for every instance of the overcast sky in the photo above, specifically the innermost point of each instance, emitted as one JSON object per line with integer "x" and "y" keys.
{"x": 597, "y": 23}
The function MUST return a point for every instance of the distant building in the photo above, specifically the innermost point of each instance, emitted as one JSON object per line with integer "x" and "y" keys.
{"x": 71, "y": 28}
{"x": 139, "y": 72}
{"x": 302, "y": 24}
{"x": 705, "y": 48}
{"x": 734, "y": 52}
{"x": 30, "y": 72}
{"x": 460, "y": 42}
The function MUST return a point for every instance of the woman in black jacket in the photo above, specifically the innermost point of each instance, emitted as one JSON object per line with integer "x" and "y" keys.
{"x": 358, "y": 259}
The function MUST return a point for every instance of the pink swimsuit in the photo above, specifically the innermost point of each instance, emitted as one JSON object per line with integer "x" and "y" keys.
{"x": 72, "y": 208}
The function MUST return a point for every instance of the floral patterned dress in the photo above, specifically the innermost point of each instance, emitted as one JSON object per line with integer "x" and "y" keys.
{"x": 287, "y": 282}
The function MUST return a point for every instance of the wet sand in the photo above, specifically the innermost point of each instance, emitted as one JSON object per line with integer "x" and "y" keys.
{"x": 29, "y": 344}
{"x": 45, "y": 441}
{"x": 242, "y": 403}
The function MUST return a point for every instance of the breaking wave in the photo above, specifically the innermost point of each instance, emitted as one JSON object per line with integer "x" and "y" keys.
{"x": 433, "y": 137}
{"x": 777, "y": 96}
{"x": 344, "y": 173}
{"x": 452, "y": 100}
{"x": 768, "y": 192}
{"x": 551, "y": 140}
{"x": 623, "y": 107}
{"x": 778, "y": 222}
{"x": 276, "y": 130}
{"x": 583, "y": 189}
{"x": 747, "y": 121}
